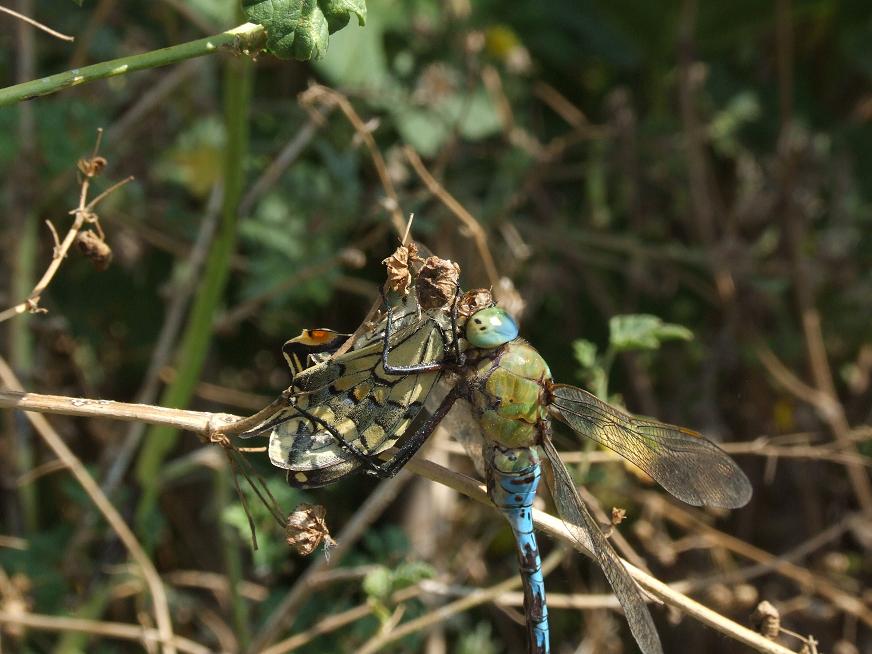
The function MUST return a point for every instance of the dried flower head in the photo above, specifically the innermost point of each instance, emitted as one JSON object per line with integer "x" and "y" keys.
{"x": 437, "y": 282}
{"x": 618, "y": 515}
{"x": 474, "y": 300}
{"x": 399, "y": 266}
{"x": 766, "y": 620}
{"x": 92, "y": 166}
{"x": 95, "y": 248}
{"x": 306, "y": 529}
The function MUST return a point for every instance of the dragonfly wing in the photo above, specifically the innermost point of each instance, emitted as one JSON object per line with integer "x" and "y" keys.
{"x": 367, "y": 408}
{"x": 686, "y": 464}
{"x": 587, "y": 533}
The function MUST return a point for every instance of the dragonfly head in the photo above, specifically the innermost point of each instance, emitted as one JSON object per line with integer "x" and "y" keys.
{"x": 491, "y": 328}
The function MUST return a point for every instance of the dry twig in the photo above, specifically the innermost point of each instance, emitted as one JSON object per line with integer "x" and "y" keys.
{"x": 203, "y": 423}
{"x": 468, "y": 220}
{"x": 38, "y": 25}
{"x": 78, "y": 470}
{"x": 328, "y": 97}
{"x": 84, "y": 213}
{"x": 148, "y": 637}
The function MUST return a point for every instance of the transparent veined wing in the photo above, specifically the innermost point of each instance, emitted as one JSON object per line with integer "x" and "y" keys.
{"x": 686, "y": 464}
{"x": 587, "y": 532}
{"x": 367, "y": 408}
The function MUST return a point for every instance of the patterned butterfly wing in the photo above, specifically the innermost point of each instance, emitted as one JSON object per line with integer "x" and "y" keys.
{"x": 367, "y": 408}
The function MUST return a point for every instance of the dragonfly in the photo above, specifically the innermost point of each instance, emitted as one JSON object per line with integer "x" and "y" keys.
{"x": 345, "y": 412}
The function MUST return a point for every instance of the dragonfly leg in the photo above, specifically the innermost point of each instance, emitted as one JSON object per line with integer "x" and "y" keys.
{"x": 459, "y": 357}
{"x": 412, "y": 444}
{"x": 433, "y": 366}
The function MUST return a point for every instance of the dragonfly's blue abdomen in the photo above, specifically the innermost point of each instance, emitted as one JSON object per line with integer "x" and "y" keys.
{"x": 513, "y": 475}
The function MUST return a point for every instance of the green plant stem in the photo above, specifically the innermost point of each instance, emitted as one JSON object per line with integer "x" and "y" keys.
{"x": 21, "y": 347}
{"x": 198, "y": 330}
{"x": 232, "y": 558}
{"x": 247, "y": 37}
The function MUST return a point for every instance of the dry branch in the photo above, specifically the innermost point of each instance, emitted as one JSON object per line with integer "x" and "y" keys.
{"x": 210, "y": 423}
{"x": 37, "y": 24}
{"x": 84, "y": 213}
{"x": 125, "y": 534}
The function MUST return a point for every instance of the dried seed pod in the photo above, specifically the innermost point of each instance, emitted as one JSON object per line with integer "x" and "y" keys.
{"x": 306, "y": 529}
{"x": 437, "y": 282}
{"x": 618, "y": 515}
{"x": 399, "y": 266}
{"x": 95, "y": 248}
{"x": 92, "y": 166}
{"x": 474, "y": 300}
{"x": 766, "y": 620}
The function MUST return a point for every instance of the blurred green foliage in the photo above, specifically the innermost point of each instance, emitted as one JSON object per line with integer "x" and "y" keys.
{"x": 626, "y": 159}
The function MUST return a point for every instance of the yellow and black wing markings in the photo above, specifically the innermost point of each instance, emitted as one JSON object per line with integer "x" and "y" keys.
{"x": 352, "y": 397}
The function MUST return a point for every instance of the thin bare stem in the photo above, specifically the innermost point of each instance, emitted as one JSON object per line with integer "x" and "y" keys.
{"x": 327, "y": 96}
{"x": 441, "y": 614}
{"x": 78, "y": 470}
{"x": 194, "y": 421}
{"x": 36, "y": 24}
{"x": 557, "y": 529}
{"x": 375, "y": 504}
{"x": 117, "y": 185}
{"x": 468, "y": 220}
{"x": 82, "y": 214}
{"x": 120, "y": 630}
{"x": 843, "y": 600}
{"x": 203, "y": 423}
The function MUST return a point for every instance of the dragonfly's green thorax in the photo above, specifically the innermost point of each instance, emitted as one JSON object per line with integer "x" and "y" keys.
{"x": 508, "y": 380}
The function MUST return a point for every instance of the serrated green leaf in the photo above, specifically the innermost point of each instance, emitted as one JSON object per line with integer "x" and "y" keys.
{"x": 280, "y": 18}
{"x": 338, "y": 12}
{"x": 357, "y": 58}
{"x": 585, "y": 352}
{"x": 312, "y": 33}
{"x": 300, "y": 29}
{"x": 643, "y": 332}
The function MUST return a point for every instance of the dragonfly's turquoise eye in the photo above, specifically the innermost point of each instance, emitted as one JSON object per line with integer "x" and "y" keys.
{"x": 491, "y": 328}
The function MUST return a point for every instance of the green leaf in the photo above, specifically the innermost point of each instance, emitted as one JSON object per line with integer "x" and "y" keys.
{"x": 585, "y": 353}
{"x": 643, "y": 332}
{"x": 427, "y": 128}
{"x": 412, "y": 572}
{"x": 357, "y": 57}
{"x": 379, "y": 583}
{"x": 300, "y": 28}
{"x": 338, "y": 12}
